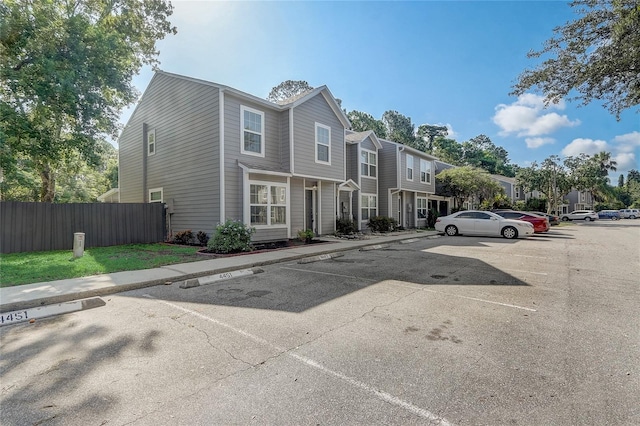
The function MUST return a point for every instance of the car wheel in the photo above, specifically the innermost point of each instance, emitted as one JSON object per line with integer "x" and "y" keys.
{"x": 451, "y": 231}
{"x": 565, "y": 219}
{"x": 632, "y": 217}
{"x": 510, "y": 232}
{"x": 614, "y": 218}
{"x": 587, "y": 219}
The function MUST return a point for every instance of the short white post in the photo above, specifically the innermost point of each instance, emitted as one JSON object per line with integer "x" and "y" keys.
{"x": 78, "y": 244}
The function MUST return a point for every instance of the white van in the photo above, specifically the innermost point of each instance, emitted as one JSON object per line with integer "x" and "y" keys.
{"x": 629, "y": 213}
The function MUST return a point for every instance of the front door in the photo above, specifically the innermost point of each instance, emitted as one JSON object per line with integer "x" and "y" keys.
{"x": 310, "y": 210}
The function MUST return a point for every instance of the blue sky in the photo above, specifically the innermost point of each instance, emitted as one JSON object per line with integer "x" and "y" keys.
{"x": 438, "y": 62}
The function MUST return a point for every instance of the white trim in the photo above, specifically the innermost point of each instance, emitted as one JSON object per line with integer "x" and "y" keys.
{"x": 244, "y": 109}
{"x": 328, "y": 145}
{"x": 368, "y": 152}
{"x": 318, "y": 178}
{"x": 428, "y": 171}
{"x": 223, "y": 197}
{"x": 360, "y": 205}
{"x": 262, "y": 171}
{"x": 160, "y": 190}
{"x": 269, "y": 185}
{"x": 151, "y": 133}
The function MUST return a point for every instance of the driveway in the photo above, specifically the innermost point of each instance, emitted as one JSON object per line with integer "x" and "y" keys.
{"x": 449, "y": 330}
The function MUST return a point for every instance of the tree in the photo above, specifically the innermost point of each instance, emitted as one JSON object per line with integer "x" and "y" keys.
{"x": 400, "y": 129}
{"x": 362, "y": 121}
{"x": 621, "y": 181}
{"x": 448, "y": 150}
{"x": 430, "y": 132}
{"x": 550, "y": 179}
{"x": 65, "y": 74}
{"x": 481, "y": 152}
{"x": 467, "y": 183}
{"x": 596, "y": 56}
{"x": 288, "y": 89}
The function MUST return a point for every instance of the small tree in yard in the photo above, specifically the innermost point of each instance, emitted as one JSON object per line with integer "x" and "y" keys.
{"x": 231, "y": 237}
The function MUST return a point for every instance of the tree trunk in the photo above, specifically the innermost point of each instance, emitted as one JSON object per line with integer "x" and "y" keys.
{"x": 48, "y": 188}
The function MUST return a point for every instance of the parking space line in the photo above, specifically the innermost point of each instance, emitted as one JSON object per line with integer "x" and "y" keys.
{"x": 384, "y": 396}
{"x": 465, "y": 297}
{"x": 326, "y": 273}
{"x": 525, "y": 272}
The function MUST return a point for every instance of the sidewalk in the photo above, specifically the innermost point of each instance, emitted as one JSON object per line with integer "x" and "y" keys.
{"x": 46, "y": 293}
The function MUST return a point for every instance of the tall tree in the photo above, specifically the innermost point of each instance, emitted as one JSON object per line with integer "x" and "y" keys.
{"x": 549, "y": 178}
{"x": 362, "y": 121}
{"x": 65, "y": 75}
{"x": 448, "y": 150}
{"x": 467, "y": 183}
{"x": 400, "y": 129}
{"x": 288, "y": 89}
{"x": 430, "y": 132}
{"x": 621, "y": 181}
{"x": 595, "y": 56}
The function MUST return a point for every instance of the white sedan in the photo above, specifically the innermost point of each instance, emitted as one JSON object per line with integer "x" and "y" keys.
{"x": 476, "y": 222}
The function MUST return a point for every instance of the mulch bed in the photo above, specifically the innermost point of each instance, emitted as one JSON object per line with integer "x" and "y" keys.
{"x": 262, "y": 248}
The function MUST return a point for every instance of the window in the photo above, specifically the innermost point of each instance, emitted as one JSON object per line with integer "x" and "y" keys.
{"x": 323, "y": 144}
{"x": 409, "y": 167}
{"x": 517, "y": 192}
{"x": 252, "y": 127}
{"x": 369, "y": 207}
{"x": 425, "y": 171}
{"x": 155, "y": 195}
{"x": 151, "y": 142}
{"x": 422, "y": 207}
{"x": 268, "y": 204}
{"x": 368, "y": 163}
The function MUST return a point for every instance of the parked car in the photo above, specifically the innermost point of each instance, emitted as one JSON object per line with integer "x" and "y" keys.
{"x": 540, "y": 223}
{"x": 476, "y": 222}
{"x": 609, "y": 214}
{"x": 629, "y": 213}
{"x": 586, "y": 215}
{"x": 552, "y": 218}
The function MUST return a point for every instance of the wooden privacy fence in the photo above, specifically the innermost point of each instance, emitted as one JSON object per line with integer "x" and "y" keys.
{"x": 44, "y": 226}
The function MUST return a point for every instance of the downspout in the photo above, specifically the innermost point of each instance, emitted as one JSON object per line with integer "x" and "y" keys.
{"x": 221, "y": 144}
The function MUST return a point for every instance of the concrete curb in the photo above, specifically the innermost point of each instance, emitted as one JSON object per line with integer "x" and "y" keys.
{"x": 172, "y": 273}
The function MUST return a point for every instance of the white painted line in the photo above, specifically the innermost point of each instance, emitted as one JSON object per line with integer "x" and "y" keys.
{"x": 533, "y": 257}
{"x": 326, "y": 273}
{"x": 464, "y": 297}
{"x": 384, "y": 396}
{"x": 223, "y": 276}
{"x": 526, "y": 272}
{"x": 412, "y": 240}
{"x": 24, "y": 315}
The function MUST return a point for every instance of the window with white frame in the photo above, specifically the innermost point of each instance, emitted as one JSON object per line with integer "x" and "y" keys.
{"x": 409, "y": 167}
{"x": 421, "y": 203}
{"x": 323, "y": 144}
{"x": 151, "y": 142}
{"x": 517, "y": 192}
{"x": 583, "y": 196}
{"x": 425, "y": 171}
{"x": 252, "y": 128}
{"x": 369, "y": 206}
{"x": 368, "y": 163}
{"x": 268, "y": 204}
{"x": 155, "y": 195}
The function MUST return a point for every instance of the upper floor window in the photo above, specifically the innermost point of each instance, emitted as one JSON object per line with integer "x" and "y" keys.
{"x": 252, "y": 125}
{"x": 409, "y": 167}
{"x": 583, "y": 196}
{"x": 151, "y": 142}
{"x": 517, "y": 192}
{"x": 368, "y": 163}
{"x": 425, "y": 171}
{"x": 155, "y": 195}
{"x": 323, "y": 144}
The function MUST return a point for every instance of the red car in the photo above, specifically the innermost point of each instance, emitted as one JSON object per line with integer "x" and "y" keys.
{"x": 540, "y": 223}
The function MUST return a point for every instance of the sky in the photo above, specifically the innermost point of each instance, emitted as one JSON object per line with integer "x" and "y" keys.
{"x": 450, "y": 63}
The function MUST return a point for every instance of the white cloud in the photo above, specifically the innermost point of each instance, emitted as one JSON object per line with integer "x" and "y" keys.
{"x": 526, "y": 118}
{"x": 625, "y": 160}
{"x": 627, "y": 142}
{"x": 585, "y": 146}
{"x": 538, "y": 142}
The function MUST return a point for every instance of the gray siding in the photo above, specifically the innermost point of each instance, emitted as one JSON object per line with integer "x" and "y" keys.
{"x": 353, "y": 162}
{"x": 297, "y": 206}
{"x": 317, "y": 110}
{"x": 328, "y": 206}
{"x": 387, "y": 176}
{"x": 184, "y": 115}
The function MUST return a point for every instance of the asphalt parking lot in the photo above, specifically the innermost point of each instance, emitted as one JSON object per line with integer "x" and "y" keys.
{"x": 447, "y": 330}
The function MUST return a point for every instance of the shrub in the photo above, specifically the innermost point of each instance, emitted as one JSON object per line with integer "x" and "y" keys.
{"x": 306, "y": 235}
{"x": 202, "y": 237}
{"x": 231, "y": 237}
{"x": 183, "y": 237}
{"x": 346, "y": 227}
{"x": 382, "y": 224}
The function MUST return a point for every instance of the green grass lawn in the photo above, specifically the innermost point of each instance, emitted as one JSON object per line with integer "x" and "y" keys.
{"x": 27, "y": 268}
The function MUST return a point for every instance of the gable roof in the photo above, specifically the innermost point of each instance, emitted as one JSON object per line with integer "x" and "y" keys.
{"x": 411, "y": 150}
{"x": 287, "y": 104}
{"x": 359, "y": 137}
